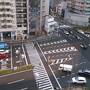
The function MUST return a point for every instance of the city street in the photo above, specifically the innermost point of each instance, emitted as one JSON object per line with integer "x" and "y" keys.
{"x": 23, "y": 80}
{"x": 66, "y": 49}
{"x": 18, "y": 81}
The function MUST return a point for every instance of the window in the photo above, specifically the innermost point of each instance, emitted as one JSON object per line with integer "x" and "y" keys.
{"x": 19, "y": 25}
{"x": 89, "y": 20}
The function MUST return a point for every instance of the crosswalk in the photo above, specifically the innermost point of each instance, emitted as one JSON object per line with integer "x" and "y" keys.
{"x": 42, "y": 79}
{"x": 55, "y": 42}
{"x": 66, "y": 49}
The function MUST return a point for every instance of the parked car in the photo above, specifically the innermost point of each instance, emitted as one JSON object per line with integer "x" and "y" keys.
{"x": 85, "y": 73}
{"x": 78, "y": 80}
{"x": 4, "y": 56}
{"x": 84, "y": 46}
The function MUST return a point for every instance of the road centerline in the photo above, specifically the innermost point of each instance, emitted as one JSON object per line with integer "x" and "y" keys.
{"x": 24, "y": 89}
{"x": 16, "y": 81}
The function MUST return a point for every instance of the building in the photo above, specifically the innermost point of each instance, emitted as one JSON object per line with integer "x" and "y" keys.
{"x": 61, "y": 7}
{"x": 22, "y": 18}
{"x": 78, "y": 9}
{"x": 44, "y": 11}
{"x": 50, "y": 24}
{"x": 7, "y": 19}
{"x": 13, "y": 19}
{"x": 39, "y": 11}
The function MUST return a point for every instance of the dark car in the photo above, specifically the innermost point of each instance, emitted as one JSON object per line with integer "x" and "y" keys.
{"x": 84, "y": 46}
{"x": 85, "y": 73}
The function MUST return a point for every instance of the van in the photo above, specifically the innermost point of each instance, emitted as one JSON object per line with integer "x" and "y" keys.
{"x": 65, "y": 67}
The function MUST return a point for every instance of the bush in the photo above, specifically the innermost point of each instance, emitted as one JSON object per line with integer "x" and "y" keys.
{"x": 10, "y": 71}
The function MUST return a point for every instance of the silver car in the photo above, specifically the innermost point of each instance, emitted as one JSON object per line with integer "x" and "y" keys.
{"x": 79, "y": 80}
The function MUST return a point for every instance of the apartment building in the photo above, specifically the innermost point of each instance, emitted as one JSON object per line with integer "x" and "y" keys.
{"x": 79, "y": 9}
{"x": 13, "y": 19}
{"x": 39, "y": 11}
{"x": 79, "y": 6}
{"x": 7, "y": 19}
{"x": 21, "y": 16}
{"x": 44, "y": 11}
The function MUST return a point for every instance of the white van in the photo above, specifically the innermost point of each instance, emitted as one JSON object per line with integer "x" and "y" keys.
{"x": 65, "y": 67}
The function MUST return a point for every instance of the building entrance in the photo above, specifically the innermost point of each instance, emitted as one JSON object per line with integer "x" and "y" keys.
{"x": 6, "y": 35}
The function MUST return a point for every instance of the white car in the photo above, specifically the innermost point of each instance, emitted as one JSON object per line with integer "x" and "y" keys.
{"x": 66, "y": 32}
{"x": 65, "y": 26}
{"x": 79, "y": 80}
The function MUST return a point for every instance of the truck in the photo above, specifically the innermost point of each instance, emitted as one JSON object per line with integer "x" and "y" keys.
{"x": 65, "y": 67}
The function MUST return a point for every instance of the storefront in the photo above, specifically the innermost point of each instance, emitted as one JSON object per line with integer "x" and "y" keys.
{"x": 7, "y": 36}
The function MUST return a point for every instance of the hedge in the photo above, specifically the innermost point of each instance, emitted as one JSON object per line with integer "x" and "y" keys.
{"x": 21, "y": 68}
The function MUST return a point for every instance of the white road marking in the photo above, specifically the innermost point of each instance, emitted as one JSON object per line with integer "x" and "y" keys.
{"x": 24, "y": 89}
{"x": 61, "y": 41}
{"x": 57, "y": 61}
{"x": 50, "y": 68}
{"x": 44, "y": 67}
{"x": 63, "y": 76}
{"x": 82, "y": 63}
{"x": 68, "y": 49}
{"x": 16, "y": 81}
{"x": 25, "y": 55}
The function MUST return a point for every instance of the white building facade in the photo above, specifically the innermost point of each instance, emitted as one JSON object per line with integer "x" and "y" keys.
{"x": 78, "y": 12}
{"x": 50, "y": 24}
{"x": 44, "y": 11}
{"x": 7, "y": 18}
{"x": 13, "y": 19}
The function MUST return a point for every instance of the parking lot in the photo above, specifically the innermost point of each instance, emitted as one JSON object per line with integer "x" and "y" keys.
{"x": 16, "y": 57}
{"x": 60, "y": 51}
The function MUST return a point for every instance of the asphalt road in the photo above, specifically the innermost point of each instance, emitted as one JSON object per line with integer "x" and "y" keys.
{"x": 83, "y": 61}
{"x": 80, "y": 58}
{"x": 19, "y": 81}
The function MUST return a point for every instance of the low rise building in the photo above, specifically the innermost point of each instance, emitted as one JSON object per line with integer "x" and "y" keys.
{"x": 78, "y": 12}
{"x": 50, "y": 24}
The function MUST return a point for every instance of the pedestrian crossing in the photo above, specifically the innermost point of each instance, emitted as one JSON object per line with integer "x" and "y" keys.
{"x": 55, "y": 42}
{"x": 66, "y": 49}
{"x": 42, "y": 79}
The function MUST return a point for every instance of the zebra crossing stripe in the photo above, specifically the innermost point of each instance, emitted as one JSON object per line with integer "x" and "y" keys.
{"x": 61, "y": 41}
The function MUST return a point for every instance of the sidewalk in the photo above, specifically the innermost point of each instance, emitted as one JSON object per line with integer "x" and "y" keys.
{"x": 42, "y": 79}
